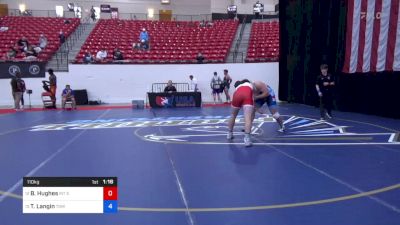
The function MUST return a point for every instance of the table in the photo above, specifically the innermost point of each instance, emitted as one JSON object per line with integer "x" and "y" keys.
{"x": 177, "y": 99}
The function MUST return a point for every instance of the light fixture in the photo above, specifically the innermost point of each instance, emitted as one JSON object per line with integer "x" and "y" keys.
{"x": 59, "y": 10}
{"x": 150, "y": 13}
{"x": 22, "y": 7}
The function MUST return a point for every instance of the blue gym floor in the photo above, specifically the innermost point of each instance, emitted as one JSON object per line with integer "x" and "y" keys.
{"x": 174, "y": 166}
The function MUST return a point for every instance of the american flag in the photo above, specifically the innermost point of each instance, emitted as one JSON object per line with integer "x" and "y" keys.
{"x": 373, "y": 36}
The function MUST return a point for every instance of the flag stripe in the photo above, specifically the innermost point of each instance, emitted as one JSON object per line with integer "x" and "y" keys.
{"x": 349, "y": 24}
{"x": 396, "y": 63}
{"x": 355, "y": 36}
{"x": 375, "y": 36}
{"x": 361, "y": 35}
{"x": 394, "y": 12}
{"x": 368, "y": 37}
{"x": 383, "y": 38}
{"x": 372, "y": 36}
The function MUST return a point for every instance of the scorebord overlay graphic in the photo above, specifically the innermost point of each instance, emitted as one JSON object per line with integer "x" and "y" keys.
{"x": 70, "y": 195}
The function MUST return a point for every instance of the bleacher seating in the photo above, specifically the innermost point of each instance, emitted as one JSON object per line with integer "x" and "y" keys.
{"x": 170, "y": 41}
{"x": 264, "y": 42}
{"x": 31, "y": 28}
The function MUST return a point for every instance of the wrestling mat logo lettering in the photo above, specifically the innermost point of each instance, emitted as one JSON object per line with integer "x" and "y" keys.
{"x": 213, "y": 130}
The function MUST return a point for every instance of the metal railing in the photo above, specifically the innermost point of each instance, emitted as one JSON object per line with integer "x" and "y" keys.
{"x": 159, "y": 87}
{"x": 59, "y": 61}
{"x": 235, "y": 51}
{"x": 40, "y": 13}
{"x": 156, "y": 17}
{"x": 124, "y": 16}
{"x": 236, "y": 57}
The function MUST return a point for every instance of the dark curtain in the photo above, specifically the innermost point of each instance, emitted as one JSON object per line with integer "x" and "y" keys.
{"x": 312, "y": 33}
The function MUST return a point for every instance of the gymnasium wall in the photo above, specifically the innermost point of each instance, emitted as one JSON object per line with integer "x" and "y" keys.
{"x": 184, "y": 7}
{"x": 123, "y": 83}
{"x": 243, "y": 6}
{"x": 181, "y": 7}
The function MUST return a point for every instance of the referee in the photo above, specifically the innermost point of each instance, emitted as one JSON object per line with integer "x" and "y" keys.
{"x": 324, "y": 86}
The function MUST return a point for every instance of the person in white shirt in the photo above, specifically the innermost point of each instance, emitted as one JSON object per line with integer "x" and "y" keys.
{"x": 42, "y": 41}
{"x": 193, "y": 84}
{"x": 101, "y": 55}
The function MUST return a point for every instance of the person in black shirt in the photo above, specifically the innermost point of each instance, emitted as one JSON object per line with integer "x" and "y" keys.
{"x": 169, "y": 88}
{"x": 18, "y": 88}
{"x": 62, "y": 38}
{"x": 200, "y": 58}
{"x": 23, "y": 44}
{"x": 324, "y": 86}
{"x": 117, "y": 55}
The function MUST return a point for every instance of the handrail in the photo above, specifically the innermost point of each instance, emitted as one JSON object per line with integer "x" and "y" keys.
{"x": 235, "y": 52}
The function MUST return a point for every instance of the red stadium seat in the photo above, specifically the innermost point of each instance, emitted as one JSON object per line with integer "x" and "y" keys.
{"x": 264, "y": 42}
{"x": 169, "y": 43}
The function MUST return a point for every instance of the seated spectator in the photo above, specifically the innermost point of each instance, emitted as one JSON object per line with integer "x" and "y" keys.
{"x": 101, "y": 55}
{"x": 11, "y": 53}
{"x": 144, "y": 39}
{"x": 88, "y": 58}
{"x": 68, "y": 95}
{"x": 136, "y": 46}
{"x": 30, "y": 54}
{"x": 169, "y": 88}
{"x": 3, "y": 29}
{"x": 144, "y": 45}
{"x": 42, "y": 41}
{"x": 210, "y": 24}
{"x": 200, "y": 58}
{"x": 23, "y": 44}
{"x": 37, "y": 49}
{"x": 117, "y": 55}
{"x": 202, "y": 23}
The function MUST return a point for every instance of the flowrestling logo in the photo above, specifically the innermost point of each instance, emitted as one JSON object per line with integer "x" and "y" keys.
{"x": 178, "y": 101}
{"x": 213, "y": 130}
{"x": 163, "y": 101}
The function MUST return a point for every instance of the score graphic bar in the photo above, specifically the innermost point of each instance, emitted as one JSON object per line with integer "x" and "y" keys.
{"x": 70, "y": 195}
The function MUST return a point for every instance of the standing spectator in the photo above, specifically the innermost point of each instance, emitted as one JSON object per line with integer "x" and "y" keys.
{"x": 18, "y": 88}
{"x": 226, "y": 85}
{"x": 144, "y": 39}
{"x": 68, "y": 95}
{"x": 93, "y": 14}
{"x": 61, "y": 36}
{"x": 88, "y": 58}
{"x": 53, "y": 86}
{"x": 42, "y": 41}
{"x": 11, "y": 53}
{"x": 169, "y": 88}
{"x": 200, "y": 58}
{"x": 193, "y": 84}
{"x": 23, "y": 44}
{"x": 101, "y": 55}
{"x": 117, "y": 54}
{"x": 23, "y": 89}
{"x": 324, "y": 86}
{"x": 216, "y": 84}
